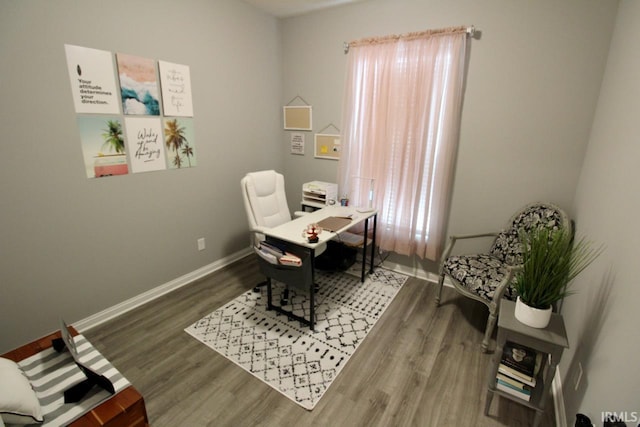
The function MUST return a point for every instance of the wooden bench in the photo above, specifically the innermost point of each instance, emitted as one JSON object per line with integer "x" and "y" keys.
{"x": 124, "y": 409}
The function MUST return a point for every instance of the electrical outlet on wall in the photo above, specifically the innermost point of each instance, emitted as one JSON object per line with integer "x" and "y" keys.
{"x": 201, "y": 244}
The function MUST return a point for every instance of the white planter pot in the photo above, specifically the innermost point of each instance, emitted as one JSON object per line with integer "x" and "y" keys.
{"x": 530, "y": 316}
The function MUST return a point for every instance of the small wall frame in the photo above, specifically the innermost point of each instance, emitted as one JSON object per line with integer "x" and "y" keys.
{"x": 297, "y": 117}
{"x": 327, "y": 146}
{"x": 297, "y": 143}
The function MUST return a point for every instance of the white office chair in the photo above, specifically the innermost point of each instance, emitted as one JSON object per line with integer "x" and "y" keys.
{"x": 265, "y": 201}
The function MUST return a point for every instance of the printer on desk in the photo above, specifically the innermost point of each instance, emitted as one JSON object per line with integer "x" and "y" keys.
{"x": 318, "y": 194}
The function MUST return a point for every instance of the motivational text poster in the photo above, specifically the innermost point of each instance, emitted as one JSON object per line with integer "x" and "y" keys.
{"x": 146, "y": 145}
{"x": 297, "y": 143}
{"x": 93, "y": 82}
{"x": 175, "y": 82}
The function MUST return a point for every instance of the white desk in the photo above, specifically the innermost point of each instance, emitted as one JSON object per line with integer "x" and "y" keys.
{"x": 291, "y": 233}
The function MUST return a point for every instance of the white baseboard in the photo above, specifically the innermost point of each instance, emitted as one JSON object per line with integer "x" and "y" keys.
{"x": 138, "y": 300}
{"x": 414, "y": 272}
{"x": 558, "y": 400}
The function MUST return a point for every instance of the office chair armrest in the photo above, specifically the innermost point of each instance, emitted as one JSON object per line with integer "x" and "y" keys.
{"x": 259, "y": 229}
{"x": 298, "y": 214}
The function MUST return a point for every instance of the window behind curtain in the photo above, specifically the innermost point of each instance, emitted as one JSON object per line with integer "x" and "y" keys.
{"x": 401, "y": 120}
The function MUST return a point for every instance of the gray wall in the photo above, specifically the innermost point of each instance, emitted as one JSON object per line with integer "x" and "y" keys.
{"x": 532, "y": 88}
{"x": 72, "y": 246}
{"x": 602, "y": 317}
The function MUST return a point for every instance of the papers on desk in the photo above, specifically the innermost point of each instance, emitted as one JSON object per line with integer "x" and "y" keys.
{"x": 334, "y": 223}
{"x": 275, "y": 255}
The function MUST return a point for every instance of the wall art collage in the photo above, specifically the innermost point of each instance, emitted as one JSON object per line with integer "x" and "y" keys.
{"x": 134, "y": 114}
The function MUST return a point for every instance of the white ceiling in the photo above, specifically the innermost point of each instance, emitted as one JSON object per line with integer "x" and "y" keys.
{"x": 286, "y": 8}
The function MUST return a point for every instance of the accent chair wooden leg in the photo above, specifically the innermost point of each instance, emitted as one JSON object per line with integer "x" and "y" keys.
{"x": 440, "y": 284}
{"x": 491, "y": 323}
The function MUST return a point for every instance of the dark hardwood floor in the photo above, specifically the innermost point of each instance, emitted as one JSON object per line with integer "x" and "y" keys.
{"x": 420, "y": 366}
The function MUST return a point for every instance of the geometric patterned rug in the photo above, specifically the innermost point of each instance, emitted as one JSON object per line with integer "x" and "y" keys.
{"x": 288, "y": 356}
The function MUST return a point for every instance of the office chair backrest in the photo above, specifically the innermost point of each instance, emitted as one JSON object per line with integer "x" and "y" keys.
{"x": 265, "y": 199}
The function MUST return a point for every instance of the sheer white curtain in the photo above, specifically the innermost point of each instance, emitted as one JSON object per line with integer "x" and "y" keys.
{"x": 401, "y": 121}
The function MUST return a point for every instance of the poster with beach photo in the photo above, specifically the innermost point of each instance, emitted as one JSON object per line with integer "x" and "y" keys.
{"x": 138, "y": 85}
{"x": 175, "y": 81}
{"x": 180, "y": 142}
{"x": 103, "y": 146}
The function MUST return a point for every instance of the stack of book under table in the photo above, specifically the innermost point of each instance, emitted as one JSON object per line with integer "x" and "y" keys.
{"x": 518, "y": 369}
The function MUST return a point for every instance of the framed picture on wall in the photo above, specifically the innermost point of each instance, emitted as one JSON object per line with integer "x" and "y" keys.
{"x": 327, "y": 146}
{"x": 297, "y": 118}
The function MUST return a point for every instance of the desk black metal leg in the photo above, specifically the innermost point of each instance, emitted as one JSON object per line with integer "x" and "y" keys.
{"x": 269, "y": 304}
{"x": 312, "y": 303}
{"x": 364, "y": 248}
{"x": 373, "y": 241}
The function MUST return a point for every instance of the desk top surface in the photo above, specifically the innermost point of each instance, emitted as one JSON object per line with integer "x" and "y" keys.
{"x": 292, "y": 231}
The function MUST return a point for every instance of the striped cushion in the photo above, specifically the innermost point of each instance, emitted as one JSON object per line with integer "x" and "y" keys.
{"x": 51, "y": 373}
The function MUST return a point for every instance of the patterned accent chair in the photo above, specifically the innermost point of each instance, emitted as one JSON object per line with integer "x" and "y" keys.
{"x": 488, "y": 277}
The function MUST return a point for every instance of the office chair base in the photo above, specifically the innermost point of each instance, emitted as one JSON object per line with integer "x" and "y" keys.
{"x": 285, "y": 295}
{"x": 256, "y": 289}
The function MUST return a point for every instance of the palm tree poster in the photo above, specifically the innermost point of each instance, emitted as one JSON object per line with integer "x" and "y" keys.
{"x": 103, "y": 146}
{"x": 180, "y": 143}
{"x": 138, "y": 85}
{"x": 145, "y": 143}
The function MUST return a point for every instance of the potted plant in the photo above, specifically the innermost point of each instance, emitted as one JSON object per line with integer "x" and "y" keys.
{"x": 551, "y": 260}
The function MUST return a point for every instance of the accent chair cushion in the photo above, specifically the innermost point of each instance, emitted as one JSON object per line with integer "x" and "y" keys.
{"x": 479, "y": 274}
{"x": 507, "y": 246}
{"x": 18, "y": 402}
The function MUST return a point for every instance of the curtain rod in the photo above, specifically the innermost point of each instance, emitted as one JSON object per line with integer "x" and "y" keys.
{"x": 470, "y": 30}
